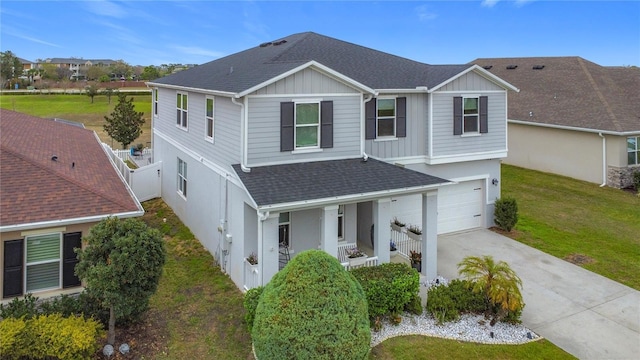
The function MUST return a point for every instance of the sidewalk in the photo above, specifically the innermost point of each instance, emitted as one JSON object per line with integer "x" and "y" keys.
{"x": 585, "y": 314}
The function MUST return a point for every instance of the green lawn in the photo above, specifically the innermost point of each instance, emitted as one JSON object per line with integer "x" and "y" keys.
{"x": 569, "y": 218}
{"x": 79, "y": 108}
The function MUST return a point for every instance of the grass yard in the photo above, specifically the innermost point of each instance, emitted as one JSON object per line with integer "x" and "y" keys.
{"x": 596, "y": 228}
{"x": 79, "y": 108}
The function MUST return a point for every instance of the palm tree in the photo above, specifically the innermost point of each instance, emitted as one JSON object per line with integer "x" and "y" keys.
{"x": 497, "y": 281}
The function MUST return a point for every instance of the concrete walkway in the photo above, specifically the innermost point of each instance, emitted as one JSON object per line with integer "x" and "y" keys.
{"x": 586, "y": 314}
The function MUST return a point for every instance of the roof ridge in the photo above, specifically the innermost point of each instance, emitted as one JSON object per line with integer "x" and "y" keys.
{"x": 596, "y": 89}
{"x": 64, "y": 177}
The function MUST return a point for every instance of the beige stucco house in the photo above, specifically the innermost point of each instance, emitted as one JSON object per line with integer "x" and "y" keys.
{"x": 572, "y": 117}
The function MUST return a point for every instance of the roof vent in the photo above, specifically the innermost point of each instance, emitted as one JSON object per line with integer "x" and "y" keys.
{"x": 487, "y": 67}
{"x": 279, "y": 42}
{"x": 265, "y": 44}
{"x": 54, "y": 158}
{"x": 538, "y": 67}
{"x": 511, "y": 67}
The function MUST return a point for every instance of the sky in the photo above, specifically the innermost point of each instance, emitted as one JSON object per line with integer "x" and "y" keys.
{"x": 435, "y": 32}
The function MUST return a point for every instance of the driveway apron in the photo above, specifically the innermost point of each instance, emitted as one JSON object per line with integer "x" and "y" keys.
{"x": 587, "y": 315}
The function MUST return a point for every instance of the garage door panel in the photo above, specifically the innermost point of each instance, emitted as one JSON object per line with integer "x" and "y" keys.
{"x": 460, "y": 206}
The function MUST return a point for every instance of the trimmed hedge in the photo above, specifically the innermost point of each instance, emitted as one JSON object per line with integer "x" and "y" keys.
{"x": 506, "y": 213}
{"x": 312, "y": 309}
{"x": 389, "y": 287}
{"x": 251, "y": 299}
{"x": 49, "y": 336}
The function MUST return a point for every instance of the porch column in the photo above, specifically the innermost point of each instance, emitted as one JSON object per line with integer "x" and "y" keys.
{"x": 382, "y": 231}
{"x": 269, "y": 259}
{"x": 329, "y": 230}
{"x": 430, "y": 234}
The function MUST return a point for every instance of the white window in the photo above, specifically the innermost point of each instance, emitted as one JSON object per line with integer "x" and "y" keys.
{"x": 633, "y": 150}
{"x": 307, "y": 120}
{"x": 284, "y": 225}
{"x": 43, "y": 262}
{"x": 181, "y": 104}
{"x": 470, "y": 115}
{"x": 182, "y": 177}
{"x": 209, "y": 119}
{"x": 155, "y": 102}
{"x": 340, "y": 222}
{"x": 386, "y": 117}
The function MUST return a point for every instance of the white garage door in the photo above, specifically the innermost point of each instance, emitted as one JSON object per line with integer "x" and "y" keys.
{"x": 460, "y": 206}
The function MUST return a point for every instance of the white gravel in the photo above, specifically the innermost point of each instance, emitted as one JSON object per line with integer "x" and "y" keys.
{"x": 472, "y": 328}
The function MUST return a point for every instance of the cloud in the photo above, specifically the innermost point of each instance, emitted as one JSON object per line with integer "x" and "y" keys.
{"x": 106, "y": 8}
{"x": 195, "y": 50}
{"x": 489, "y": 3}
{"x": 424, "y": 14}
{"x": 12, "y": 32}
{"x": 517, "y": 3}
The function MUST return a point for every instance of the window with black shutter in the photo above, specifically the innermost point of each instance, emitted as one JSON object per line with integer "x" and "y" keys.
{"x": 386, "y": 117}
{"x": 12, "y": 269}
{"x": 470, "y": 115}
{"x": 306, "y": 125}
{"x": 71, "y": 241}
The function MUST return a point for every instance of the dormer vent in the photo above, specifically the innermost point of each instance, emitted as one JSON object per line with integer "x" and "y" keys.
{"x": 511, "y": 67}
{"x": 487, "y": 67}
{"x": 279, "y": 42}
{"x": 538, "y": 67}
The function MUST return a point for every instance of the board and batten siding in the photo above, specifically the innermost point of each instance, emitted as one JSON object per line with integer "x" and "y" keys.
{"x": 225, "y": 150}
{"x": 471, "y": 81}
{"x": 446, "y": 144}
{"x": 264, "y": 130}
{"x": 306, "y": 81}
{"x": 415, "y": 143}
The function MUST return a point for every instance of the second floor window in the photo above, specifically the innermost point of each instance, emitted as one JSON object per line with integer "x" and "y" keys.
{"x": 386, "y": 117}
{"x": 307, "y": 118}
{"x": 182, "y": 177}
{"x": 633, "y": 150}
{"x": 209, "y": 120}
{"x": 155, "y": 102}
{"x": 471, "y": 116}
{"x": 181, "y": 104}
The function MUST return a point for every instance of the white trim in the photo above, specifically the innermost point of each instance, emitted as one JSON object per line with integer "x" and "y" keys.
{"x": 346, "y": 199}
{"x": 482, "y": 72}
{"x": 317, "y": 125}
{"x": 328, "y": 71}
{"x": 430, "y": 123}
{"x": 573, "y": 128}
{"x": 385, "y": 138}
{"x": 295, "y": 96}
{"x": 307, "y": 150}
{"x": 211, "y": 138}
{"x": 184, "y": 109}
{"x": 417, "y": 90}
{"x": 460, "y": 92}
{"x": 470, "y": 134}
{"x": 486, "y": 155}
{"x": 65, "y": 222}
{"x": 60, "y": 229}
{"x": 289, "y": 161}
{"x": 191, "y": 89}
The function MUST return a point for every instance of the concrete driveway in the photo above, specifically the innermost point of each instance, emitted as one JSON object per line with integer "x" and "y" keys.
{"x": 583, "y": 313}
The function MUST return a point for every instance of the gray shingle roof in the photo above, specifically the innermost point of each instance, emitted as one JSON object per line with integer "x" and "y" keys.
{"x": 571, "y": 91}
{"x": 378, "y": 70}
{"x": 279, "y": 184}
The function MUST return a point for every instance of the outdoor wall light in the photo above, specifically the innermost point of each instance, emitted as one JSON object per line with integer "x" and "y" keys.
{"x": 495, "y": 182}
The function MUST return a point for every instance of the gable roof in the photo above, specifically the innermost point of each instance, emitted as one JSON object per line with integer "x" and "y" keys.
{"x": 332, "y": 180}
{"x": 571, "y": 92}
{"x": 244, "y": 70}
{"x": 80, "y": 183}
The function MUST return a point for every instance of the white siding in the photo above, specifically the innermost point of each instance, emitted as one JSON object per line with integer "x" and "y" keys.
{"x": 307, "y": 81}
{"x": 468, "y": 81}
{"x": 415, "y": 143}
{"x": 264, "y": 130}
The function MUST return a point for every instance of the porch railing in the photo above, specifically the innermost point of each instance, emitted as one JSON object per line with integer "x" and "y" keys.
{"x": 371, "y": 261}
{"x": 404, "y": 243}
{"x": 251, "y": 275}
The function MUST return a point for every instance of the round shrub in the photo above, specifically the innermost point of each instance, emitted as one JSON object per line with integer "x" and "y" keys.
{"x": 506, "y": 213}
{"x": 251, "y": 299}
{"x": 312, "y": 309}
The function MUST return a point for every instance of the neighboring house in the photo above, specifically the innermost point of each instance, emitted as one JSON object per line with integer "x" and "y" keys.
{"x": 56, "y": 181}
{"x": 312, "y": 142}
{"x": 573, "y": 117}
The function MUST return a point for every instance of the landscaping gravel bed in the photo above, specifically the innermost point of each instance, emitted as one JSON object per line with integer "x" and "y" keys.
{"x": 472, "y": 328}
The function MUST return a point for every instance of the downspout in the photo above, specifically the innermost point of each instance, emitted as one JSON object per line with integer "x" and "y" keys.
{"x": 362, "y": 123}
{"x": 604, "y": 160}
{"x": 243, "y": 135}
{"x": 262, "y": 216}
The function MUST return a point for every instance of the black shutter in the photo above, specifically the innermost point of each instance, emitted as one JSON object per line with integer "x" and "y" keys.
{"x": 286, "y": 126}
{"x": 70, "y": 259}
{"x": 12, "y": 271}
{"x": 370, "y": 119}
{"x": 326, "y": 124}
{"x": 484, "y": 118}
{"x": 401, "y": 117}
{"x": 457, "y": 115}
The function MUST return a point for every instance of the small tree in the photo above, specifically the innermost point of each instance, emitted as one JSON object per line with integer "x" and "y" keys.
{"x": 108, "y": 92}
{"x": 121, "y": 267}
{"x": 91, "y": 91}
{"x": 497, "y": 281}
{"x": 506, "y": 213}
{"x": 125, "y": 124}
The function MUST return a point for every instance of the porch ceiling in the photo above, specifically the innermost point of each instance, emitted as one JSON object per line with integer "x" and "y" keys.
{"x": 321, "y": 180}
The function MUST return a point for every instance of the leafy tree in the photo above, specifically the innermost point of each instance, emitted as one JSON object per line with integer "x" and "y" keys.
{"x": 497, "y": 281}
{"x": 150, "y": 73}
{"x": 49, "y": 71}
{"x": 92, "y": 90}
{"x": 121, "y": 266}
{"x": 121, "y": 68}
{"x": 63, "y": 73}
{"x": 95, "y": 72}
{"x": 312, "y": 309}
{"x": 10, "y": 66}
{"x": 125, "y": 123}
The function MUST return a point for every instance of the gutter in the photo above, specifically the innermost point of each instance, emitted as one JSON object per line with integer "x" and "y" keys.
{"x": 185, "y": 88}
{"x": 604, "y": 160}
{"x": 73, "y": 221}
{"x": 363, "y": 122}
{"x": 262, "y": 216}
{"x": 573, "y": 128}
{"x": 244, "y": 133}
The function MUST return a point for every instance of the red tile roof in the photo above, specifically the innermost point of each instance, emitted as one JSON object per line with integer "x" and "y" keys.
{"x": 571, "y": 91}
{"x": 80, "y": 182}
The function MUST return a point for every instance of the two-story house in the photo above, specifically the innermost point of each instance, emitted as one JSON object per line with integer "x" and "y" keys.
{"x": 312, "y": 142}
